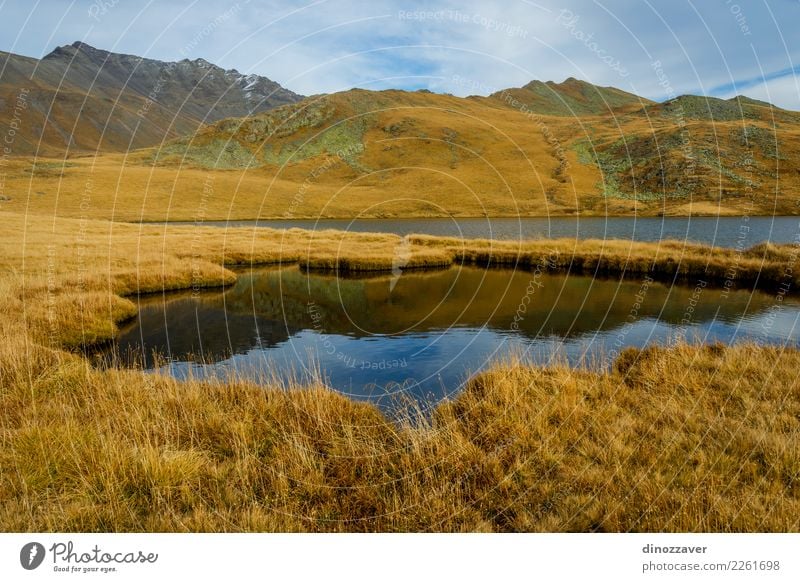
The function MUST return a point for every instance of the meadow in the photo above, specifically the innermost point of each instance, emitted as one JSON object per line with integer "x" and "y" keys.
{"x": 680, "y": 438}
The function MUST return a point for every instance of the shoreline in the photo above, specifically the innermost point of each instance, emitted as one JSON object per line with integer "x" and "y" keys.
{"x": 114, "y": 261}
{"x": 311, "y": 218}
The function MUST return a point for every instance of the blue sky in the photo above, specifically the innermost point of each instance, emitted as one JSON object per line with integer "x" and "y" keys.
{"x": 656, "y": 49}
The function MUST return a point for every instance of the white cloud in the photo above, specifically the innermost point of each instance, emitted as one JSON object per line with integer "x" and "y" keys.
{"x": 330, "y": 45}
{"x": 783, "y": 92}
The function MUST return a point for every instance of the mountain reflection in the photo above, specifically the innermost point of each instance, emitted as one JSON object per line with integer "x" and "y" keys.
{"x": 266, "y": 307}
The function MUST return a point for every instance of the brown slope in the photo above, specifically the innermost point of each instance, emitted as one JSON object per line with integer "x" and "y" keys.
{"x": 79, "y": 98}
{"x": 571, "y": 98}
{"x": 400, "y": 154}
{"x": 736, "y": 152}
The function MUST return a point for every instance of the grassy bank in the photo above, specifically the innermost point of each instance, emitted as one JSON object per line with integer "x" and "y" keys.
{"x": 670, "y": 440}
{"x": 67, "y": 279}
{"x": 682, "y": 439}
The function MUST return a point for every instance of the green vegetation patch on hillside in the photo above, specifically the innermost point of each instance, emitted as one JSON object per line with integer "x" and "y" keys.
{"x": 344, "y": 139}
{"x": 626, "y": 168}
{"x": 217, "y": 154}
{"x": 286, "y": 135}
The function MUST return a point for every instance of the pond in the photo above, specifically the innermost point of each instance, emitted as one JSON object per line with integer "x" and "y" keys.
{"x": 727, "y": 231}
{"x": 423, "y": 334}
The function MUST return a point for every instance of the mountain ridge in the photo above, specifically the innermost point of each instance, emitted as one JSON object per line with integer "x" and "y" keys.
{"x": 88, "y": 99}
{"x": 547, "y": 148}
{"x": 571, "y": 97}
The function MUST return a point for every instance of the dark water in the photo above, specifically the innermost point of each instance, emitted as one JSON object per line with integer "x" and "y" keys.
{"x": 423, "y": 334}
{"x": 721, "y": 232}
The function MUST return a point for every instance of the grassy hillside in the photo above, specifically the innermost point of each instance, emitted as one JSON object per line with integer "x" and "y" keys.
{"x": 409, "y": 154}
{"x": 572, "y": 98}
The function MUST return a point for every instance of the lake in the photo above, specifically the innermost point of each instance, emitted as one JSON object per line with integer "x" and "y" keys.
{"x": 422, "y": 334}
{"x": 722, "y": 231}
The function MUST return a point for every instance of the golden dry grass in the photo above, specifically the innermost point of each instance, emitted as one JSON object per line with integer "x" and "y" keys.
{"x": 684, "y": 439}
{"x": 679, "y": 439}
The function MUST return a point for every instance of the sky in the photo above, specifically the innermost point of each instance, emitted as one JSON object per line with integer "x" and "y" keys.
{"x": 657, "y": 49}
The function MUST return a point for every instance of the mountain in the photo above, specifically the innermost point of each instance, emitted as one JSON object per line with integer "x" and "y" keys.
{"x": 86, "y": 99}
{"x": 570, "y": 98}
{"x": 623, "y": 154}
{"x": 543, "y": 149}
{"x": 739, "y": 108}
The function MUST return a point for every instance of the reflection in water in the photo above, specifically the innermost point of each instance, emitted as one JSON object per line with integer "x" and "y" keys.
{"x": 423, "y": 334}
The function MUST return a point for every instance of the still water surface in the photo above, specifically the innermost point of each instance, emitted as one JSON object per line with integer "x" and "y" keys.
{"x": 423, "y": 334}
{"x": 722, "y": 232}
